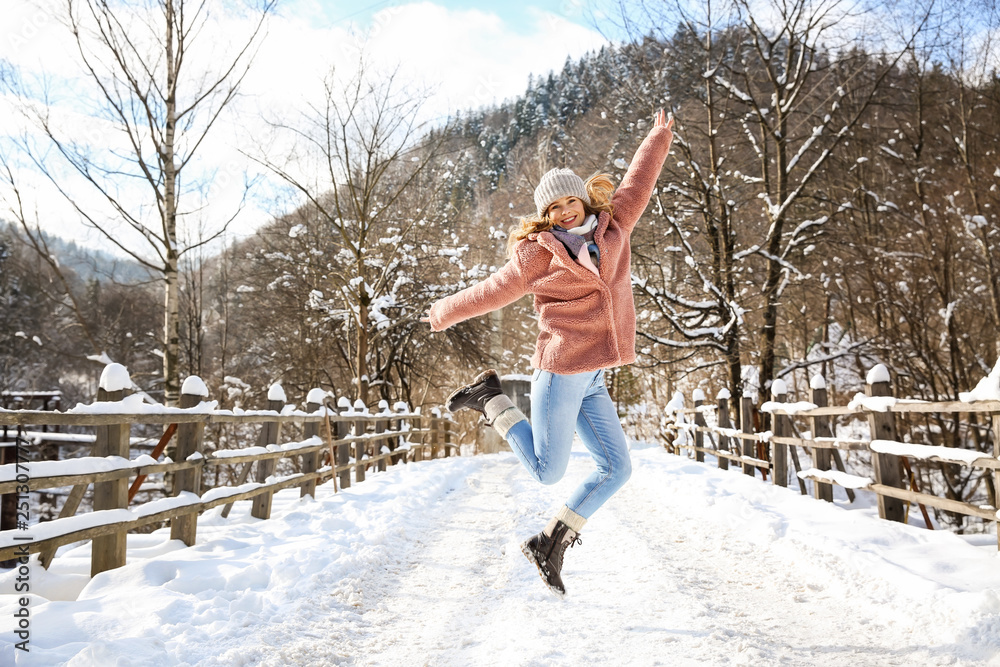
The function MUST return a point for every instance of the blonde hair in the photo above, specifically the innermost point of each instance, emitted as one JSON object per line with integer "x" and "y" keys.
{"x": 600, "y": 189}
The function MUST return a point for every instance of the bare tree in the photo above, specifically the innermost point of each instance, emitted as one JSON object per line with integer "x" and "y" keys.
{"x": 146, "y": 76}
{"x": 371, "y": 179}
{"x": 766, "y": 93}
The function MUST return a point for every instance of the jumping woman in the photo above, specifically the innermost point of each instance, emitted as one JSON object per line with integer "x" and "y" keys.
{"x": 573, "y": 255}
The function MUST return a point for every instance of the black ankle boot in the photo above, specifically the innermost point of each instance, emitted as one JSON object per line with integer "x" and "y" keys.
{"x": 477, "y": 394}
{"x": 546, "y": 552}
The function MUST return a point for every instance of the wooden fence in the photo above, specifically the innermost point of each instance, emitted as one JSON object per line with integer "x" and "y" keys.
{"x": 734, "y": 438}
{"x": 335, "y": 443}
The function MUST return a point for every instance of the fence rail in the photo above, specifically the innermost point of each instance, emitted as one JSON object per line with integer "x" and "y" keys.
{"x": 891, "y": 479}
{"x": 335, "y": 443}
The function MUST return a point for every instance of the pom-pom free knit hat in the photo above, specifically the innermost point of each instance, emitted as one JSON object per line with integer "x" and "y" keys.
{"x": 556, "y": 184}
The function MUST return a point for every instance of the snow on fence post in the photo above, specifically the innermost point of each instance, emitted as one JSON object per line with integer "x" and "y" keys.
{"x": 746, "y": 426}
{"x": 724, "y": 423}
{"x": 887, "y": 467}
{"x": 699, "y": 422}
{"x": 108, "y": 551}
{"x": 190, "y": 443}
{"x": 269, "y": 434}
{"x": 344, "y": 450}
{"x": 820, "y": 429}
{"x": 360, "y": 446}
{"x": 310, "y": 461}
{"x": 782, "y": 429}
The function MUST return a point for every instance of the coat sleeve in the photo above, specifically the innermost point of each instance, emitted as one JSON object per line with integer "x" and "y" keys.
{"x": 632, "y": 196}
{"x": 503, "y": 287}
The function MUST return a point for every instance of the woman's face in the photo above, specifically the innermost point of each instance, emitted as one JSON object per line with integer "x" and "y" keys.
{"x": 567, "y": 212}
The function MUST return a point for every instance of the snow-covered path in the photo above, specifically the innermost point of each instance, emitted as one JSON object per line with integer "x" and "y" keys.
{"x": 687, "y": 565}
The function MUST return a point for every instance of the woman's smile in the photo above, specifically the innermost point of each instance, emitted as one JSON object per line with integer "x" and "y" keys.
{"x": 567, "y": 212}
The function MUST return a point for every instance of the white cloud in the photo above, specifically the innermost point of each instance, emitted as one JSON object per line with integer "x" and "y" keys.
{"x": 467, "y": 57}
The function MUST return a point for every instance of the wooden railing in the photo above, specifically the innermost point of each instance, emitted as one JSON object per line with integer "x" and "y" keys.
{"x": 891, "y": 478}
{"x": 335, "y": 442}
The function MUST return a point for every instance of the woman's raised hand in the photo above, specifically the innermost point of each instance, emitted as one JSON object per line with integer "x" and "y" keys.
{"x": 661, "y": 120}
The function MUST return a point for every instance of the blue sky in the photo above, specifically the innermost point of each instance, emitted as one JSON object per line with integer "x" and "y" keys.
{"x": 514, "y": 12}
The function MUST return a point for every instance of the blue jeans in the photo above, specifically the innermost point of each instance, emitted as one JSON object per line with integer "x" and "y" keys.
{"x": 561, "y": 404}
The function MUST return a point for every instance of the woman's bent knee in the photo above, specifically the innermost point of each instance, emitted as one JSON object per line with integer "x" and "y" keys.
{"x": 551, "y": 476}
{"x": 621, "y": 473}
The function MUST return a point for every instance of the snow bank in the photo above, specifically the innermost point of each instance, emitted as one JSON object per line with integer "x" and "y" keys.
{"x": 988, "y": 389}
{"x": 353, "y": 577}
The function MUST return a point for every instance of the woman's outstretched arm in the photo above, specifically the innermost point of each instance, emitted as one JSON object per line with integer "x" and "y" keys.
{"x": 503, "y": 287}
{"x": 632, "y": 196}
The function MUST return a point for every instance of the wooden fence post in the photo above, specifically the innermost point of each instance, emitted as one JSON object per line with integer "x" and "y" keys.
{"x": 360, "y": 447}
{"x": 269, "y": 434}
{"x": 746, "y": 426}
{"x": 724, "y": 422}
{"x": 310, "y": 462}
{"x": 699, "y": 421}
{"x": 108, "y": 551}
{"x": 380, "y": 427}
{"x": 782, "y": 428}
{"x": 417, "y": 440}
{"x": 446, "y": 434}
{"x": 8, "y": 504}
{"x": 673, "y": 409}
{"x": 190, "y": 441}
{"x": 996, "y": 473}
{"x": 820, "y": 429}
{"x": 342, "y": 430}
{"x": 398, "y": 440}
{"x": 888, "y": 468}
{"x": 435, "y": 433}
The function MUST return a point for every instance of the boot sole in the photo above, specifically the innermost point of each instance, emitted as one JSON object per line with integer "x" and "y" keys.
{"x": 479, "y": 378}
{"x": 530, "y": 555}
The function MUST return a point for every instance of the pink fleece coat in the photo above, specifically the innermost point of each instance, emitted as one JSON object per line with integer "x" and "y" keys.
{"x": 586, "y": 322}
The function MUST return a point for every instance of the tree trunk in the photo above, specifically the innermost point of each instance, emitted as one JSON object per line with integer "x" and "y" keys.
{"x": 780, "y": 194}
{"x": 362, "y": 346}
{"x": 171, "y": 314}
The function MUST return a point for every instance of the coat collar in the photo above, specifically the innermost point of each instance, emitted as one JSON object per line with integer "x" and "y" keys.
{"x": 548, "y": 241}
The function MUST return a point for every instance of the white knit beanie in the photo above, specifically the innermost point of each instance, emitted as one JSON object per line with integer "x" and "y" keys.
{"x": 556, "y": 184}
